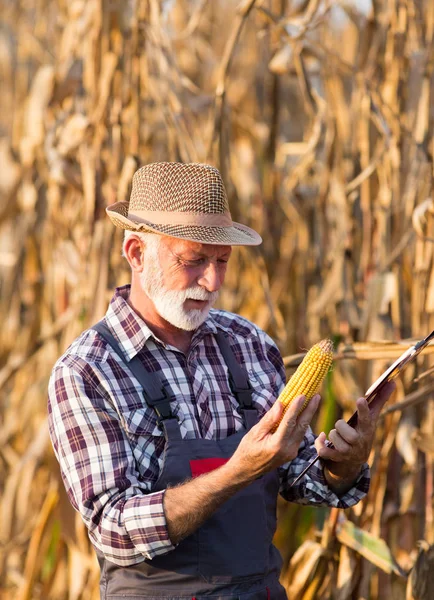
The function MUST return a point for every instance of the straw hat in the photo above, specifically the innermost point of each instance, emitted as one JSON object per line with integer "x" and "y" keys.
{"x": 182, "y": 200}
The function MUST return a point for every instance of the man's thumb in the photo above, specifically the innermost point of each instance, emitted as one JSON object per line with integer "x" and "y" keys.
{"x": 272, "y": 417}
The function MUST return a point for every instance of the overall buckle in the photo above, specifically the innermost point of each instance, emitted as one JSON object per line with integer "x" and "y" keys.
{"x": 243, "y": 395}
{"x": 162, "y": 408}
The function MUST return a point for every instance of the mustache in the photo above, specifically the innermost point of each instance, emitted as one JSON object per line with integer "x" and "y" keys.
{"x": 199, "y": 294}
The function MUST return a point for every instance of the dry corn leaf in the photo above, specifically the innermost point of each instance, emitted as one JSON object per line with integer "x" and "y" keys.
{"x": 27, "y": 197}
{"x": 78, "y": 572}
{"x": 72, "y": 134}
{"x": 34, "y": 119}
{"x": 404, "y": 441}
{"x": 109, "y": 62}
{"x": 420, "y": 216}
{"x": 33, "y": 557}
{"x": 10, "y": 172}
{"x": 282, "y": 60}
{"x": 329, "y": 154}
{"x": 347, "y": 574}
{"x": 424, "y": 442}
{"x": 302, "y": 568}
{"x": 421, "y": 580}
{"x": 374, "y": 549}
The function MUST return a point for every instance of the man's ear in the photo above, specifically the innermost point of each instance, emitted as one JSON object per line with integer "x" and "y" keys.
{"x": 134, "y": 251}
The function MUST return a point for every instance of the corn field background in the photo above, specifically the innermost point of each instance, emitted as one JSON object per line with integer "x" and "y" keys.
{"x": 320, "y": 116}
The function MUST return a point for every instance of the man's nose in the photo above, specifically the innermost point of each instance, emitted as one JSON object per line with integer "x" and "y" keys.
{"x": 210, "y": 278}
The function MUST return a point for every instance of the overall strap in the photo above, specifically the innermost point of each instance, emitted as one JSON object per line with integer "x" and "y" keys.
{"x": 239, "y": 382}
{"x": 154, "y": 392}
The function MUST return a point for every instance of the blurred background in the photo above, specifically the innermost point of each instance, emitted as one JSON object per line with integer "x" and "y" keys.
{"x": 320, "y": 116}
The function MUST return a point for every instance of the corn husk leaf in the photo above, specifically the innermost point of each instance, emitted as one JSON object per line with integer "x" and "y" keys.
{"x": 369, "y": 546}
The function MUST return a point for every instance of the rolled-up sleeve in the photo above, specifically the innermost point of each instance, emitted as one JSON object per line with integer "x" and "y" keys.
{"x": 125, "y": 521}
{"x": 312, "y": 487}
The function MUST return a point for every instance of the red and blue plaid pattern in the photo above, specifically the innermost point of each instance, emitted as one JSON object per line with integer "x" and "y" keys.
{"x": 107, "y": 441}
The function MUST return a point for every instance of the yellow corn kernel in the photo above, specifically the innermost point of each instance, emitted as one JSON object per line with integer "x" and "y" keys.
{"x": 309, "y": 376}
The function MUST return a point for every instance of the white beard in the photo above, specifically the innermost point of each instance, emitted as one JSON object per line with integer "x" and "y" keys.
{"x": 170, "y": 303}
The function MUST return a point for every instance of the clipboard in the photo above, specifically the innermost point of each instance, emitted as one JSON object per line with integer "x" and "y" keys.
{"x": 391, "y": 373}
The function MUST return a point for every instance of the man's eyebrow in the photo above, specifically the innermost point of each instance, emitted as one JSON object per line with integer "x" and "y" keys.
{"x": 199, "y": 254}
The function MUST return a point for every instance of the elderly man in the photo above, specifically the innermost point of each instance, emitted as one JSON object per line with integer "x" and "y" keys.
{"x": 162, "y": 415}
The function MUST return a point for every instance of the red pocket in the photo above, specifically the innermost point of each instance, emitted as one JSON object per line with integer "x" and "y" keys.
{"x": 205, "y": 465}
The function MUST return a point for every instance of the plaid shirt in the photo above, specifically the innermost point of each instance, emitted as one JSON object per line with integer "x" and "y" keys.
{"x": 107, "y": 441}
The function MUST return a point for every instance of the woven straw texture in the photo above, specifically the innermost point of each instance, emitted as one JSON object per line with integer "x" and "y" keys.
{"x": 178, "y": 187}
{"x": 191, "y": 188}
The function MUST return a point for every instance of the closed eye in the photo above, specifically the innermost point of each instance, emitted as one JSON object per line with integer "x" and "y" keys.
{"x": 195, "y": 263}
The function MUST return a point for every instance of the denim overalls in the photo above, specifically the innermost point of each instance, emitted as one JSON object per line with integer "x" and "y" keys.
{"x": 231, "y": 556}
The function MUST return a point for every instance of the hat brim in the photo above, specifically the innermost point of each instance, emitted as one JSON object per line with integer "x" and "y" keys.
{"x": 237, "y": 235}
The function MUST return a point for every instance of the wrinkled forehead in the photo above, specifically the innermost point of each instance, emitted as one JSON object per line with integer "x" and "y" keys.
{"x": 178, "y": 246}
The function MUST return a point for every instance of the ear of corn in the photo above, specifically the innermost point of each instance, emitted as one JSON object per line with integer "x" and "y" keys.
{"x": 309, "y": 376}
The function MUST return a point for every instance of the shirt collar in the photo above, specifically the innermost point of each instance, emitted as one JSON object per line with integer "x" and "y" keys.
{"x": 207, "y": 327}
{"x": 131, "y": 331}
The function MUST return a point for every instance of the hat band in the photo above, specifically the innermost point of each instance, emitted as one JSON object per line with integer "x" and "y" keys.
{"x": 162, "y": 217}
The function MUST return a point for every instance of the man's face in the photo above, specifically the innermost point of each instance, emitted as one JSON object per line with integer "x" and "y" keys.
{"x": 183, "y": 278}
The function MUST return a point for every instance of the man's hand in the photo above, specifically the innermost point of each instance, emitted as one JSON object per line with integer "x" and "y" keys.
{"x": 351, "y": 446}
{"x": 262, "y": 450}
{"x": 188, "y": 505}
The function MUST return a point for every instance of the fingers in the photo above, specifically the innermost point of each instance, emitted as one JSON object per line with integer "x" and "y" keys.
{"x": 367, "y": 414}
{"x": 365, "y": 418}
{"x": 290, "y": 417}
{"x": 293, "y": 420}
{"x": 347, "y": 432}
{"x": 376, "y": 405}
{"x": 320, "y": 442}
{"x": 324, "y": 451}
{"x": 271, "y": 418}
{"x": 339, "y": 442}
{"x": 307, "y": 415}
{"x": 387, "y": 390}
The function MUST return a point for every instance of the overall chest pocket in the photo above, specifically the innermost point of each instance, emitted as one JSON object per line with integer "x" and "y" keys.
{"x": 142, "y": 421}
{"x": 137, "y": 417}
{"x": 146, "y": 439}
{"x": 264, "y": 391}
